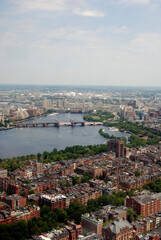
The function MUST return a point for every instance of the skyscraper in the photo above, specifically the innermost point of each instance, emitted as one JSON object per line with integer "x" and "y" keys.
{"x": 116, "y": 146}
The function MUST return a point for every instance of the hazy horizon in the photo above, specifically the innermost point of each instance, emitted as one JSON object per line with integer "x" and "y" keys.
{"x": 79, "y": 86}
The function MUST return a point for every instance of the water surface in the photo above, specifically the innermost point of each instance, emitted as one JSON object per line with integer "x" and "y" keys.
{"x": 24, "y": 141}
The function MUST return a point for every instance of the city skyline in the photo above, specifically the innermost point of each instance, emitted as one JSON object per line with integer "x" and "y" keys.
{"x": 66, "y": 42}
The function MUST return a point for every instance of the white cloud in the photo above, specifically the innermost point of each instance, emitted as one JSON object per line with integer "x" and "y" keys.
{"x": 3, "y": 22}
{"x": 155, "y": 6}
{"x": 57, "y": 5}
{"x": 149, "y": 43}
{"x": 72, "y": 37}
{"x": 131, "y": 2}
{"x": 68, "y": 49}
{"x": 89, "y": 13}
{"x": 46, "y": 5}
{"x": 122, "y": 29}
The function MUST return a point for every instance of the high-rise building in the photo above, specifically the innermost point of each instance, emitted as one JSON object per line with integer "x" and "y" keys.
{"x": 132, "y": 103}
{"x": 39, "y": 168}
{"x": 1, "y": 117}
{"x": 116, "y": 146}
{"x": 47, "y": 103}
{"x": 61, "y": 103}
{"x": 58, "y": 103}
{"x": 64, "y": 103}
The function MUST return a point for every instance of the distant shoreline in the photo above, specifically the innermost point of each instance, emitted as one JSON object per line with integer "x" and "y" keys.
{"x": 28, "y": 86}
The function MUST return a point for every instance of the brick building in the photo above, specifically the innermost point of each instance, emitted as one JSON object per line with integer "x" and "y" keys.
{"x": 118, "y": 230}
{"x": 60, "y": 234}
{"x": 145, "y": 205}
{"x": 4, "y": 184}
{"x": 7, "y": 216}
{"x": 116, "y": 146}
{"x": 14, "y": 188}
{"x": 96, "y": 172}
{"x": 3, "y": 172}
{"x": 77, "y": 228}
{"x": 15, "y": 201}
{"x": 54, "y": 201}
{"x": 39, "y": 168}
{"x": 91, "y": 224}
{"x": 7, "y": 185}
{"x": 69, "y": 232}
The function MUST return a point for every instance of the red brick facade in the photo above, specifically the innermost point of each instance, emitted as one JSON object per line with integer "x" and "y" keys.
{"x": 58, "y": 201}
{"x": 15, "y": 201}
{"x": 144, "y": 205}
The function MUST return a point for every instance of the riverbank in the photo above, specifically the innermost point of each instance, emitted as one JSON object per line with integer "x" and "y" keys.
{"x": 106, "y": 135}
{"x": 5, "y": 128}
{"x": 27, "y": 119}
{"x": 33, "y": 117}
{"x": 73, "y": 152}
{"x": 140, "y": 136}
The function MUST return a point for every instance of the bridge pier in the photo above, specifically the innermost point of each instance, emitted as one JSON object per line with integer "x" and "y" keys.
{"x": 72, "y": 124}
{"x": 57, "y": 124}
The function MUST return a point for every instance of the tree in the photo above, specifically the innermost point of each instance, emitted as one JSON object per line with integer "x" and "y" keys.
{"x": 153, "y": 186}
{"x": 75, "y": 180}
{"x": 18, "y": 230}
{"x": 131, "y": 215}
{"x": 45, "y": 210}
{"x": 75, "y": 211}
{"x": 137, "y": 173}
{"x": 4, "y": 234}
{"x": 45, "y": 155}
{"x": 23, "y": 194}
{"x": 31, "y": 192}
{"x": 35, "y": 230}
{"x": 62, "y": 217}
{"x": 92, "y": 205}
{"x": 39, "y": 156}
{"x": 86, "y": 177}
{"x": 55, "y": 151}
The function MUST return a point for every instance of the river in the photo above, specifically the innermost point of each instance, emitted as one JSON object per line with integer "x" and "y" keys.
{"x": 24, "y": 141}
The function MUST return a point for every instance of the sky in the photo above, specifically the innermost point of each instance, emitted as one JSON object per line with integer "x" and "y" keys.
{"x": 80, "y": 42}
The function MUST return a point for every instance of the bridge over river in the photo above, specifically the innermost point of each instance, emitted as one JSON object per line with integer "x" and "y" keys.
{"x": 56, "y": 124}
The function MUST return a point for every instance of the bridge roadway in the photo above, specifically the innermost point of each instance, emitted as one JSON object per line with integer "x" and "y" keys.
{"x": 56, "y": 124}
